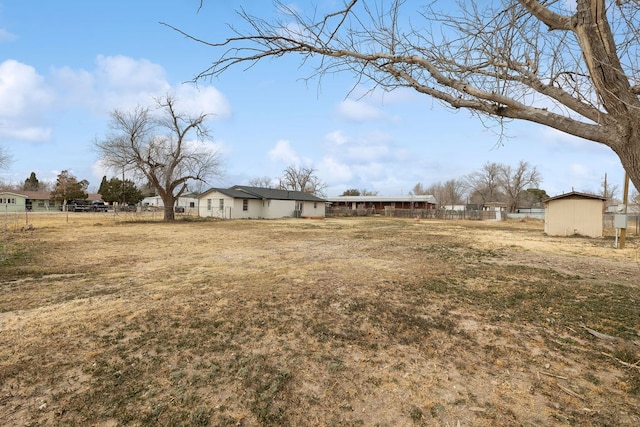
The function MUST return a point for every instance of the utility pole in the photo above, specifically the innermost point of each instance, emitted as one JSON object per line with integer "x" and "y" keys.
{"x": 625, "y": 201}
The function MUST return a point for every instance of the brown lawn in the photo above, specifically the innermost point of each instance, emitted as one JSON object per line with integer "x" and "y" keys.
{"x": 123, "y": 320}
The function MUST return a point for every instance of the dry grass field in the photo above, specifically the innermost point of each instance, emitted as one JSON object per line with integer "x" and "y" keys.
{"x": 128, "y": 321}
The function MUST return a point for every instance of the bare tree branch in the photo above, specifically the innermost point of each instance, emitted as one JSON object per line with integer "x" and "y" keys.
{"x": 574, "y": 69}
{"x": 303, "y": 179}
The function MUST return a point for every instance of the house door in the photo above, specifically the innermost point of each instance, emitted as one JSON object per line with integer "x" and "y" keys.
{"x": 298, "y": 210}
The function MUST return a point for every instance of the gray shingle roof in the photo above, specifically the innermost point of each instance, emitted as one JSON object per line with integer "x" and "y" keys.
{"x": 246, "y": 192}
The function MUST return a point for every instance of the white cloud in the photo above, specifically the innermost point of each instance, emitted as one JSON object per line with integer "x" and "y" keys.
{"x": 131, "y": 75}
{"x": 358, "y": 111}
{"x": 120, "y": 82}
{"x": 203, "y": 99}
{"x": 336, "y": 138}
{"x": 21, "y": 89}
{"x": 75, "y": 87}
{"x": 25, "y": 98}
{"x": 334, "y": 170}
{"x": 579, "y": 170}
{"x": 100, "y": 169}
{"x": 368, "y": 147}
{"x": 6, "y": 36}
{"x": 25, "y": 133}
{"x": 284, "y": 152}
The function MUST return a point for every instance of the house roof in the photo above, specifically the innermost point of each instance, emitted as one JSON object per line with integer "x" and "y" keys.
{"x": 428, "y": 198}
{"x": 575, "y": 195}
{"x": 44, "y": 195}
{"x": 245, "y": 192}
{"x": 36, "y": 195}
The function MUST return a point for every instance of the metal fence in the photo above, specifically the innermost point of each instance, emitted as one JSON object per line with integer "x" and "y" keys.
{"x": 414, "y": 213}
{"x": 633, "y": 222}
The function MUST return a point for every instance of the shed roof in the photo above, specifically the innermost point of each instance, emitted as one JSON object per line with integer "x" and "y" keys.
{"x": 575, "y": 195}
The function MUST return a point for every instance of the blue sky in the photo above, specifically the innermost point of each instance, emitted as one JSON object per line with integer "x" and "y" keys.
{"x": 66, "y": 64}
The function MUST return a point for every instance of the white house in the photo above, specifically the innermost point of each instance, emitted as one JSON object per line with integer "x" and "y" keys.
{"x": 255, "y": 202}
{"x": 186, "y": 203}
{"x": 33, "y": 201}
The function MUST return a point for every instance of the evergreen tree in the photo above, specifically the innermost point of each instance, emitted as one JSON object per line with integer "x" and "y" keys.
{"x": 104, "y": 187}
{"x": 113, "y": 190}
{"x": 31, "y": 183}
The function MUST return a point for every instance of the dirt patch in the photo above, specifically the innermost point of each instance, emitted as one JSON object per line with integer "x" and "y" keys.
{"x": 128, "y": 321}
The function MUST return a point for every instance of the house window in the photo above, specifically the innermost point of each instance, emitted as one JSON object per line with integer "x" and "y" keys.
{"x": 221, "y": 206}
{"x": 41, "y": 203}
{"x": 315, "y": 205}
{"x": 209, "y": 204}
{"x": 8, "y": 200}
{"x": 52, "y": 203}
{"x": 192, "y": 204}
{"x": 245, "y": 205}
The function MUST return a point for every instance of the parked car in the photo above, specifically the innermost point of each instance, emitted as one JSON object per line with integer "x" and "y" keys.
{"x": 98, "y": 206}
{"x": 78, "y": 206}
{"x": 131, "y": 207}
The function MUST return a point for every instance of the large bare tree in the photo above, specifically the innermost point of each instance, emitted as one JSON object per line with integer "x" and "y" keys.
{"x": 447, "y": 193}
{"x": 569, "y": 65}
{"x": 5, "y": 159}
{"x": 157, "y": 145}
{"x": 497, "y": 182}
{"x": 261, "y": 182}
{"x": 485, "y": 185}
{"x": 302, "y": 178}
{"x": 515, "y": 180}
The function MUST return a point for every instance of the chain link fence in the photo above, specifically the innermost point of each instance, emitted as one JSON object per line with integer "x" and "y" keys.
{"x": 414, "y": 213}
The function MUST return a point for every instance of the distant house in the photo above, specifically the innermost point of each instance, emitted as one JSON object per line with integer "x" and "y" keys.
{"x": 21, "y": 201}
{"x": 32, "y": 201}
{"x": 186, "y": 203}
{"x": 574, "y": 213}
{"x": 255, "y": 202}
{"x": 496, "y": 209}
{"x": 382, "y": 204}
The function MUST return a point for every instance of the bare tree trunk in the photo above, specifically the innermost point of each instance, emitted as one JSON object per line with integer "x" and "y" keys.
{"x": 629, "y": 154}
{"x": 169, "y": 201}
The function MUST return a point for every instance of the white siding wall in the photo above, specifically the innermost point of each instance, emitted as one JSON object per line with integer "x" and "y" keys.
{"x": 313, "y": 209}
{"x": 254, "y": 209}
{"x": 209, "y": 205}
{"x": 278, "y": 208}
{"x": 183, "y": 202}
